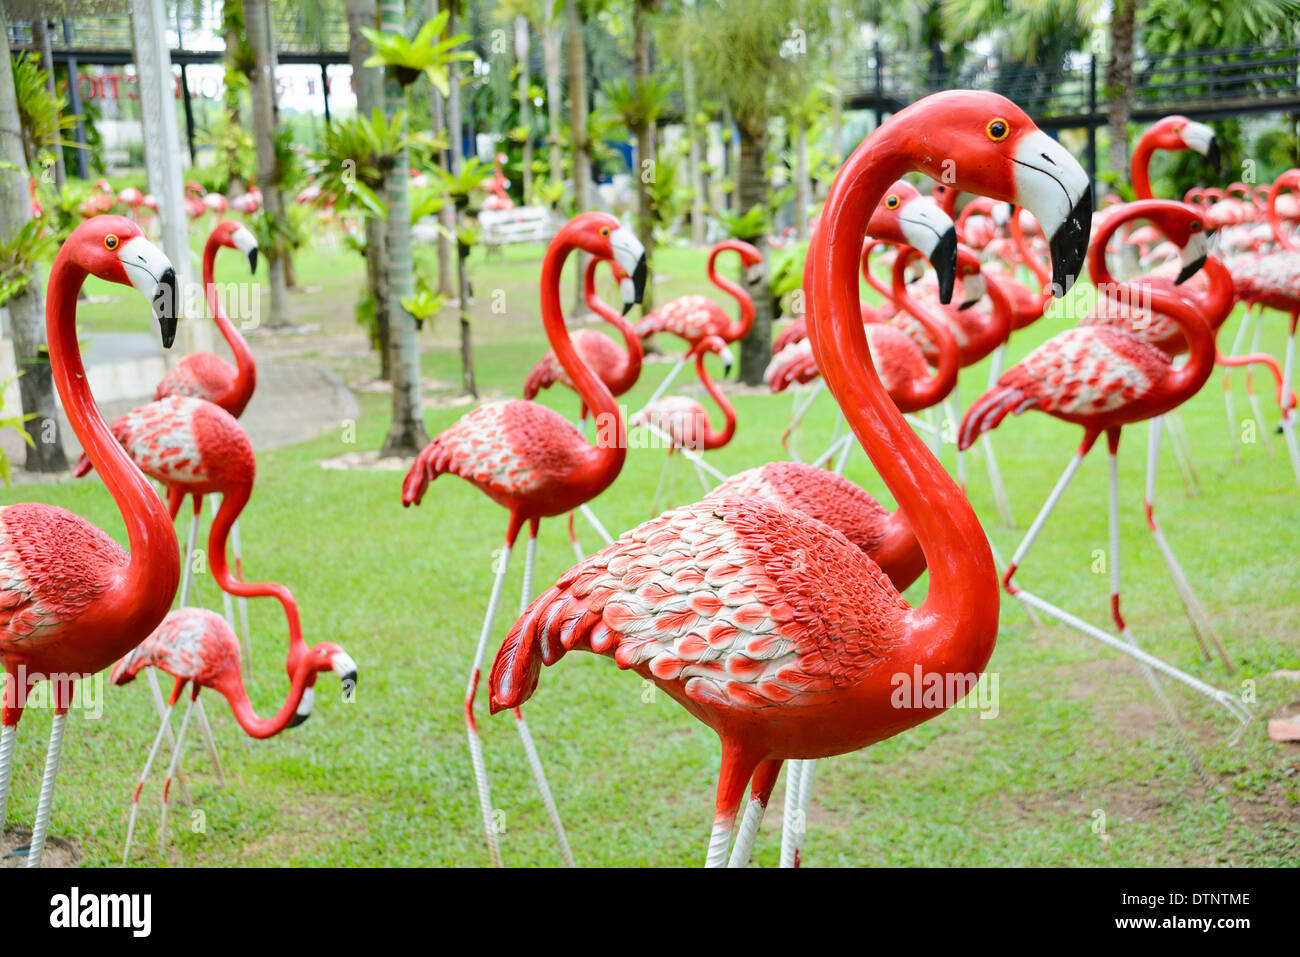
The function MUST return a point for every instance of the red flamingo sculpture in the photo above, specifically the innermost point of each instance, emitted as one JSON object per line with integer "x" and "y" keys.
{"x": 496, "y": 186}
{"x": 618, "y": 370}
{"x": 531, "y": 461}
{"x": 903, "y": 217}
{"x": 684, "y": 424}
{"x": 72, "y": 601}
{"x": 197, "y": 648}
{"x": 693, "y": 317}
{"x": 203, "y": 374}
{"x": 771, "y": 628}
{"x": 1103, "y": 378}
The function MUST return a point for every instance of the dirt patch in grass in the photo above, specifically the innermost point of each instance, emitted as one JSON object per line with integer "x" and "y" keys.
{"x": 58, "y": 852}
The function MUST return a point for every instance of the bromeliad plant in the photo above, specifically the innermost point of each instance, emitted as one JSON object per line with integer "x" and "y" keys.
{"x": 426, "y": 53}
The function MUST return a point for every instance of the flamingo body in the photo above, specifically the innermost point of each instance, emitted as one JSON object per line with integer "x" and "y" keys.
{"x": 830, "y": 498}
{"x": 518, "y": 453}
{"x": 729, "y": 607}
{"x": 688, "y": 317}
{"x": 597, "y": 351}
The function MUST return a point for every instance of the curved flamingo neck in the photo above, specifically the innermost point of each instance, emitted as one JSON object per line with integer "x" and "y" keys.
{"x": 1217, "y": 304}
{"x": 936, "y": 388}
{"x": 712, "y": 439}
{"x": 1275, "y": 220}
{"x": 232, "y": 689}
{"x": 630, "y": 370}
{"x": 740, "y": 328}
{"x": 868, "y": 275}
{"x": 245, "y": 367}
{"x": 232, "y": 503}
{"x": 594, "y": 393}
{"x": 148, "y": 583}
{"x": 1140, "y": 167}
{"x": 1186, "y": 380}
{"x": 959, "y": 618}
{"x": 1027, "y": 254}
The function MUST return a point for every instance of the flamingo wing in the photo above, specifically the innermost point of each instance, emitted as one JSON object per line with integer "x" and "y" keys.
{"x": 200, "y": 375}
{"x": 53, "y": 565}
{"x": 817, "y": 493}
{"x": 1084, "y": 371}
{"x": 193, "y": 644}
{"x": 736, "y": 603}
{"x": 507, "y": 449}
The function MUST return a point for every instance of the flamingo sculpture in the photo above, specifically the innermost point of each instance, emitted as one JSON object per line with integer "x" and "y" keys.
{"x": 899, "y": 361}
{"x": 682, "y": 421}
{"x": 903, "y": 217}
{"x": 530, "y": 460}
{"x": 197, "y": 648}
{"x": 194, "y": 206}
{"x": 1273, "y": 281}
{"x": 693, "y": 317}
{"x": 618, "y": 370}
{"x": 772, "y": 628}
{"x": 72, "y": 601}
{"x": 203, "y": 374}
{"x": 496, "y": 186}
{"x": 1103, "y": 378}
{"x": 247, "y": 203}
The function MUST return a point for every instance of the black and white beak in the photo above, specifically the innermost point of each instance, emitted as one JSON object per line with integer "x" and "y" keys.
{"x": 151, "y": 272}
{"x": 1201, "y": 138}
{"x": 630, "y": 254}
{"x": 1052, "y": 185}
{"x": 346, "y": 669}
{"x": 1192, "y": 256}
{"x": 303, "y": 711}
{"x": 930, "y": 231}
{"x": 246, "y": 243}
{"x": 728, "y": 360}
{"x": 973, "y": 288}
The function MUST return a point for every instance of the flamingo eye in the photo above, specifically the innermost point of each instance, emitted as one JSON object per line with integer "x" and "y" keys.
{"x": 998, "y": 130}
{"x": 604, "y": 230}
{"x": 891, "y": 202}
{"x": 110, "y": 242}
{"x": 1196, "y": 226}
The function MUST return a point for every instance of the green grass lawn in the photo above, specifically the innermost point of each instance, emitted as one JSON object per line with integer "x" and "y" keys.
{"x": 1078, "y": 767}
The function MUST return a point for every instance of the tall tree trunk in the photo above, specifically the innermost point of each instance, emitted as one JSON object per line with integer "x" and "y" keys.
{"x": 232, "y": 20}
{"x": 751, "y": 190}
{"x": 41, "y": 38}
{"x": 1119, "y": 85}
{"x": 525, "y": 101}
{"x": 455, "y": 128}
{"x": 367, "y": 82}
{"x": 406, "y": 432}
{"x": 689, "y": 108}
{"x": 802, "y": 184}
{"x": 262, "y": 88}
{"x": 554, "y": 93}
{"x": 27, "y": 307}
{"x": 576, "y": 53}
{"x": 645, "y": 143}
{"x": 466, "y": 331}
{"x": 438, "y": 124}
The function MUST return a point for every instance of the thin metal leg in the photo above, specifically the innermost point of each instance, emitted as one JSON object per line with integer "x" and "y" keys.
{"x": 41, "y": 829}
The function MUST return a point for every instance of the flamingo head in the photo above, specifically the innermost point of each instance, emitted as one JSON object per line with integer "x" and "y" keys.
{"x": 1179, "y": 133}
{"x": 236, "y": 235}
{"x": 718, "y": 346}
{"x": 114, "y": 249}
{"x": 973, "y": 286}
{"x": 905, "y": 216}
{"x": 1182, "y": 224}
{"x": 323, "y": 657}
{"x": 986, "y": 144}
{"x": 604, "y": 237}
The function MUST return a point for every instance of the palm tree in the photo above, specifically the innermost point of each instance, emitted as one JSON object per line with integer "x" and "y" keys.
{"x": 26, "y": 309}
{"x": 262, "y": 88}
{"x": 750, "y": 73}
{"x": 404, "y": 61}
